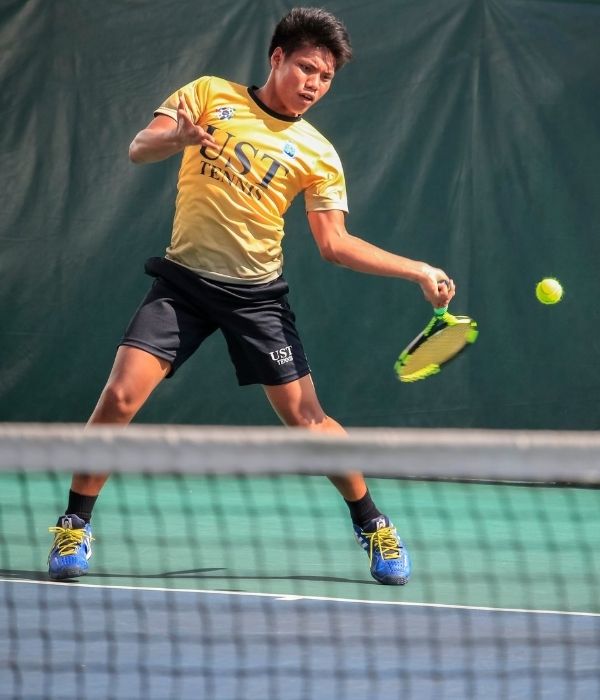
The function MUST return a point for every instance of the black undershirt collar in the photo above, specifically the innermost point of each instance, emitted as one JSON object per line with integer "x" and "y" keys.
{"x": 284, "y": 117}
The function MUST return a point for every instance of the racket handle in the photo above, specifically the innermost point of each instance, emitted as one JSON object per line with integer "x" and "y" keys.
{"x": 439, "y": 312}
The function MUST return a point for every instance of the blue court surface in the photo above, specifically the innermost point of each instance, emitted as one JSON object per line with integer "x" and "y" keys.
{"x": 251, "y": 646}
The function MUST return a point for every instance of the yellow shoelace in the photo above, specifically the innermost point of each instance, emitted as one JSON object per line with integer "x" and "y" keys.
{"x": 386, "y": 542}
{"x": 66, "y": 540}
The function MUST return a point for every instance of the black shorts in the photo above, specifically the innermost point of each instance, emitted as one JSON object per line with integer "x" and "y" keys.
{"x": 182, "y": 309}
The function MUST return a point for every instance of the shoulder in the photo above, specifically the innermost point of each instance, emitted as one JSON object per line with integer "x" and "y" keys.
{"x": 313, "y": 132}
{"x": 316, "y": 136}
{"x": 208, "y": 83}
{"x": 319, "y": 143}
{"x": 215, "y": 84}
{"x": 211, "y": 89}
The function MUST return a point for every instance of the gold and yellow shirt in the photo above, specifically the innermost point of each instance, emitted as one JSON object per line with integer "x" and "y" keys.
{"x": 231, "y": 198}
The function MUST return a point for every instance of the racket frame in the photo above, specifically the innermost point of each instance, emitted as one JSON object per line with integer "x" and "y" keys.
{"x": 441, "y": 320}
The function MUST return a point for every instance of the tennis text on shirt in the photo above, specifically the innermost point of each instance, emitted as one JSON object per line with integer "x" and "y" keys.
{"x": 231, "y": 198}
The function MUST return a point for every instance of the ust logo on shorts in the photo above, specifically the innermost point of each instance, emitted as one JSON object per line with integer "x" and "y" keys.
{"x": 282, "y": 355}
{"x": 225, "y": 112}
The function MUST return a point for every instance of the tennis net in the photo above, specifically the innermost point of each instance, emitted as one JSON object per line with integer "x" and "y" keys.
{"x": 225, "y": 566}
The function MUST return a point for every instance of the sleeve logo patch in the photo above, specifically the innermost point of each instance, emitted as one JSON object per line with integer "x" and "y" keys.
{"x": 225, "y": 112}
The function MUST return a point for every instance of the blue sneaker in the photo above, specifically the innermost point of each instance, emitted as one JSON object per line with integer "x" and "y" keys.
{"x": 390, "y": 561}
{"x": 71, "y": 548}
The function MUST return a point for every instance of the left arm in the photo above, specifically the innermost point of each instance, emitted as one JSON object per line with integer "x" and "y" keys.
{"x": 338, "y": 246}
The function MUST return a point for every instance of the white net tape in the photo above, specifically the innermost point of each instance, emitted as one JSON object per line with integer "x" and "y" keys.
{"x": 530, "y": 456}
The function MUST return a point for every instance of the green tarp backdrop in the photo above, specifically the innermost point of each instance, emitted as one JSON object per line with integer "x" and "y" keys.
{"x": 470, "y": 136}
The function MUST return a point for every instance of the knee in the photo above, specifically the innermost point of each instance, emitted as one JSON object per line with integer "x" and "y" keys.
{"x": 315, "y": 421}
{"x": 307, "y": 419}
{"x": 119, "y": 400}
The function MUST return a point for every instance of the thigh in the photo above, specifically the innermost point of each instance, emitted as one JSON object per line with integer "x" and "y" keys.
{"x": 137, "y": 368}
{"x": 134, "y": 376}
{"x": 264, "y": 343}
{"x": 167, "y": 325}
{"x": 296, "y": 403}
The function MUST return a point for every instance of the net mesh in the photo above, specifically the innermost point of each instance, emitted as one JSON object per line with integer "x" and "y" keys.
{"x": 224, "y": 566}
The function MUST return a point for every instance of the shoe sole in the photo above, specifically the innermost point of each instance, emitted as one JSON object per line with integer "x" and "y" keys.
{"x": 392, "y": 582}
{"x": 69, "y": 573}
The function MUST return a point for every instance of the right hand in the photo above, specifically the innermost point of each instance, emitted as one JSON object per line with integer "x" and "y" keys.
{"x": 188, "y": 133}
{"x": 437, "y": 286}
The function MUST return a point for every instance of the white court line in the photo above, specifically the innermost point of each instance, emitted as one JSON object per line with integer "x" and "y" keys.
{"x": 291, "y": 597}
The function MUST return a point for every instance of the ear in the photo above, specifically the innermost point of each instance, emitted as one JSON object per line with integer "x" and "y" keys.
{"x": 277, "y": 57}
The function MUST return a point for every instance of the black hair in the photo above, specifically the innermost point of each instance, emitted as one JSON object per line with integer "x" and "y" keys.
{"x": 312, "y": 26}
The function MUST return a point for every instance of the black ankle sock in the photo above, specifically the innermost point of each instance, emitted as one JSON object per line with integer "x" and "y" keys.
{"x": 80, "y": 505}
{"x": 363, "y": 510}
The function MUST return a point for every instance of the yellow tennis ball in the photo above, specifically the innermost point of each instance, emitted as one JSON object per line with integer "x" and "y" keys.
{"x": 549, "y": 291}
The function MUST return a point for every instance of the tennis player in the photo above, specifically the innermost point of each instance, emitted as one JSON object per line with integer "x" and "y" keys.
{"x": 246, "y": 153}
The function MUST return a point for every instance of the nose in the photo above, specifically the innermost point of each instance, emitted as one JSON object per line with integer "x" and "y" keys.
{"x": 312, "y": 83}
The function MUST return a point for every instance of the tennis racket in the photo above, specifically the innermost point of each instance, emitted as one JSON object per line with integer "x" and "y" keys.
{"x": 444, "y": 337}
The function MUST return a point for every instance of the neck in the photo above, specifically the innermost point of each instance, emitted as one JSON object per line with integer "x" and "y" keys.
{"x": 268, "y": 96}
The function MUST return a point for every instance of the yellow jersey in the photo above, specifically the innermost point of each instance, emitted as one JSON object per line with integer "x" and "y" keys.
{"x": 231, "y": 198}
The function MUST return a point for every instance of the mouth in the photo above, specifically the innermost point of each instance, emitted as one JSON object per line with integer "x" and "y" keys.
{"x": 307, "y": 97}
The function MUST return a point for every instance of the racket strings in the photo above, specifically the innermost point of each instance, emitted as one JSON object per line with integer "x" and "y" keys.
{"x": 440, "y": 347}
{"x": 444, "y": 337}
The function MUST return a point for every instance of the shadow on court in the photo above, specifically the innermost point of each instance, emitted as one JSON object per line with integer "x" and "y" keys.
{"x": 191, "y": 574}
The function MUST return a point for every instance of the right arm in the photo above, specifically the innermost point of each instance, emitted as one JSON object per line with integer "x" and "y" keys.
{"x": 338, "y": 246}
{"x": 164, "y": 137}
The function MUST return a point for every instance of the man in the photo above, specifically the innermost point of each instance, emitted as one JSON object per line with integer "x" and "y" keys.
{"x": 247, "y": 152}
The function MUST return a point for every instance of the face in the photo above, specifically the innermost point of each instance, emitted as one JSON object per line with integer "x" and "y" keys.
{"x": 301, "y": 78}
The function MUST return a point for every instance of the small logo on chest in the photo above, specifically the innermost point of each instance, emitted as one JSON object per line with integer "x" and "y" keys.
{"x": 289, "y": 149}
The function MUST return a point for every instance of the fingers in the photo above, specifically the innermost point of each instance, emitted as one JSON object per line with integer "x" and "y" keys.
{"x": 182, "y": 110}
{"x": 203, "y": 138}
{"x": 446, "y": 286}
{"x": 182, "y": 103}
{"x": 445, "y": 291}
{"x": 438, "y": 288}
{"x": 191, "y": 133}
